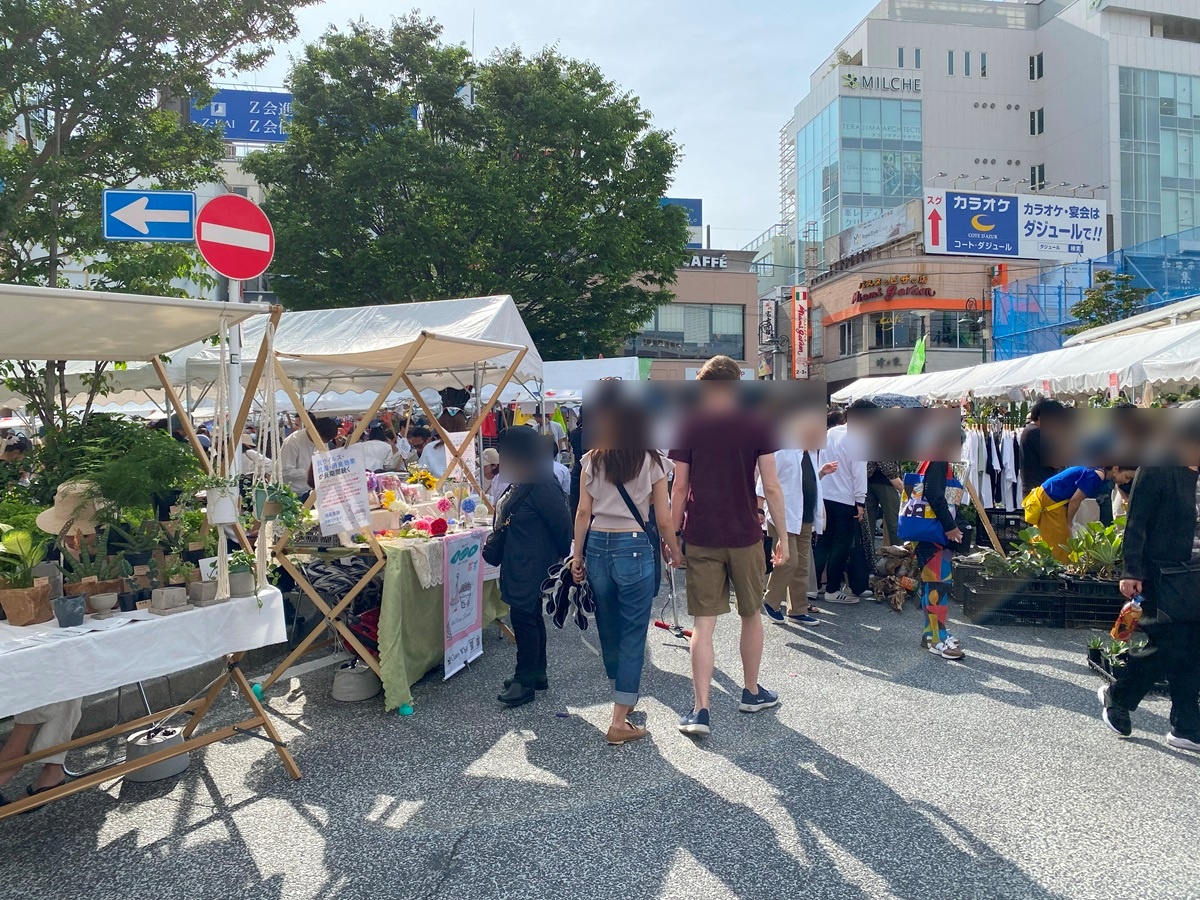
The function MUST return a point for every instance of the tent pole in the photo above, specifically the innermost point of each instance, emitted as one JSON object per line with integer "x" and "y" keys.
{"x": 480, "y": 413}
{"x": 185, "y": 419}
{"x": 388, "y": 387}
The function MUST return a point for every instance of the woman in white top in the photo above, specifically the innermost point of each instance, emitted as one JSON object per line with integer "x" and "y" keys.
{"x": 619, "y": 561}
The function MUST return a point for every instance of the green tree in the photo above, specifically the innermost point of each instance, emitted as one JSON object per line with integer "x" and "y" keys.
{"x": 1112, "y": 297}
{"x": 397, "y": 185}
{"x": 88, "y": 101}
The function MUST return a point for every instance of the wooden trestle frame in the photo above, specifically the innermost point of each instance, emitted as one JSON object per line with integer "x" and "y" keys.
{"x": 333, "y": 614}
{"x": 196, "y": 709}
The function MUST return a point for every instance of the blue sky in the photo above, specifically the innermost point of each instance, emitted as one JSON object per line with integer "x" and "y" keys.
{"x": 723, "y": 76}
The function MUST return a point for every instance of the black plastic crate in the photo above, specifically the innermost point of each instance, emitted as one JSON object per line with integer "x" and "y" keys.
{"x": 985, "y": 607}
{"x": 1007, "y": 585}
{"x": 1091, "y": 603}
{"x": 1008, "y": 526}
{"x": 962, "y": 574}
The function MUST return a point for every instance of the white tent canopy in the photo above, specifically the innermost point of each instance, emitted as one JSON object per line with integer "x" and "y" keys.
{"x": 357, "y": 349}
{"x": 1162, "y": 356}
{"x": 564, "y": 380}
{"x": 72, "y": 324}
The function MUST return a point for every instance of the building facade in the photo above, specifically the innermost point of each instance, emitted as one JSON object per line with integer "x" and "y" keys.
{"x": 714, "y": 313}
{"x": 1066, "y": 97}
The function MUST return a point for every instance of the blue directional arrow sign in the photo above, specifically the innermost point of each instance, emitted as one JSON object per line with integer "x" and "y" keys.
{"x": 157, "y": 216}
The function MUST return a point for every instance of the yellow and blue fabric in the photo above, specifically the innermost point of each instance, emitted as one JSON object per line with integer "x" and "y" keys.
{"x": 918, "y": 522}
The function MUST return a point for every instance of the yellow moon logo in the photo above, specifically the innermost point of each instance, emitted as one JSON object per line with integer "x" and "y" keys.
{"x": 977, "y": 224}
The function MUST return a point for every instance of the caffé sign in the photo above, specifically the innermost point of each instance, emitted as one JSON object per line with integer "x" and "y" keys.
{"x": 891, "y": 287}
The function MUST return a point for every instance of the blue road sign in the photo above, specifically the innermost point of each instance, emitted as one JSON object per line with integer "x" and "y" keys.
{"x": 156, "y": 216}
{"x": 258, "y": 117}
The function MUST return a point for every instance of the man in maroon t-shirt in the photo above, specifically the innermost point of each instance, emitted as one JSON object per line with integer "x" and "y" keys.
{"x": 715, "y": 509}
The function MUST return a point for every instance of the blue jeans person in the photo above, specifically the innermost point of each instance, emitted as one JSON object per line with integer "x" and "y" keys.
{"x": 620, "y": 567}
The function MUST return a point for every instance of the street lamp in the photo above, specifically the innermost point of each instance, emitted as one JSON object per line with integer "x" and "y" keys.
{"x": 959, "y": 177}
{"x": 1079, "y": 187}
{"x": 1017, "y": 186}
{"x": 1004, "y": 180}
{"x": 1092, "y": 192}
{"x": 975, "y": 325}
{"x": 936, "y": 177}
{"x": 975, "y": 183}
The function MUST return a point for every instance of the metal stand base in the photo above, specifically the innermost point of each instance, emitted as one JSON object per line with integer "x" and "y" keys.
{"x": 71, "y": 773}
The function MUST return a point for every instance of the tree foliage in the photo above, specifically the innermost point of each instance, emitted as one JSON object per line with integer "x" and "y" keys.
{"x": 1111, "y": 298}
{"x": 89, "y": 99}
{"x": 397, "y": 185}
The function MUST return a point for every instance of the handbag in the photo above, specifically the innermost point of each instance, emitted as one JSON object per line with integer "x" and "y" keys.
{"x": 918, "y": 521}
{"x": 651, "y": 531}
{"x": 1177, "y": 595}
{"x": 493, "y": 544}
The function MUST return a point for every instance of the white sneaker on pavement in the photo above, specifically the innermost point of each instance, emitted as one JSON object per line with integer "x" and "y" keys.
{"x": 841, "y": 598}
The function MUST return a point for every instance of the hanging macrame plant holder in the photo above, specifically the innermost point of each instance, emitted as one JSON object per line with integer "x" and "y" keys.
{"x": 221, "y": 500}
{"x": 268, "y": 471}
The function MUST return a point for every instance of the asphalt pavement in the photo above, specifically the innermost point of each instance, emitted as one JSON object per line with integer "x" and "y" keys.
{"x": 886, "y": 772}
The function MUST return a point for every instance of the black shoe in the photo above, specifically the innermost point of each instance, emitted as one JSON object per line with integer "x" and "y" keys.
{"x": 540, "y": 685}
{"x": 517, "y": 695}
{"x": 1114, "y": 717}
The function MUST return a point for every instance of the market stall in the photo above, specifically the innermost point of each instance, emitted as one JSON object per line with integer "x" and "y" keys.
{"x": 43, "y": 663}
{"x": 475, "y": 342}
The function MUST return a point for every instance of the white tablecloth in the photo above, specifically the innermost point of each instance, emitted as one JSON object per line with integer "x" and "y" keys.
{"x": 89, "y": 663}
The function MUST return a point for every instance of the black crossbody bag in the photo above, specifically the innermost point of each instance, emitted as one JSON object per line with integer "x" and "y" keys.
{"x": 493, "y": 544}
{"x": 651, "y": 531}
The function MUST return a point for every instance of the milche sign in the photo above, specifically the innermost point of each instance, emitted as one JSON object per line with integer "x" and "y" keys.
{"x": 887, "y": 83}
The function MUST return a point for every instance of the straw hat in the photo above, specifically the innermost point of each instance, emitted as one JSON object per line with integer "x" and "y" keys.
{"x": 73, "y": 509}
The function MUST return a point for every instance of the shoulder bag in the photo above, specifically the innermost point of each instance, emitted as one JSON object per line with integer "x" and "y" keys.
{"x": 493, "y": 544}
{"x": 651, "y": 530}
{"x": 1177, "y": 595}
{"x": 918, "y": 521}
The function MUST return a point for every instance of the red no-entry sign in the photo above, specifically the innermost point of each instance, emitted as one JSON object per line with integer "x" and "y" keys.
{"x": 235, "y": 237}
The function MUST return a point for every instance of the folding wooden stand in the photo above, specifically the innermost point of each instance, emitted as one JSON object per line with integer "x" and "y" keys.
{"x": 197, "y": 709}
{"x": 333, "y": 614}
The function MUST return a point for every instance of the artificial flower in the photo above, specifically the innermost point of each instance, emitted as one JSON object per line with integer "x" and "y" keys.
{"x": 407, "y": 517}
{"x": 468, "y": 506}
{"x": 388, "y": 498}
{"x": 437, "y": 527}
{"x": 444, "y": 504}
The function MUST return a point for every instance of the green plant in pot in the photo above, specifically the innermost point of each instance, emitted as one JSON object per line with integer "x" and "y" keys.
{"x": 222, "y": 497}
{"x": 243, "y": 574}
{"x": 1095, "y": 646}
{"x": 1096, "y": 551}
{"x": 91, "y": 570}
{"x": 24, "y": 601}
{"x": 278, "y": 502}
{"x": 136, "y": 543}
{"x": 179, "y": 572}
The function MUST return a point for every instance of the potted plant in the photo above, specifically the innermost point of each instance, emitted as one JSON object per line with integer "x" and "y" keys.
{"x": 222, "y": 496}
{"x": 278, "y": 502}
{"x": 24, "y": 602}
{"x": 137, "y": 543}
{"x": 1094, "y": 647}
{"x": 1093, "y": 595}
{"x": 91, "y": 571}
{"x": 243, "y": 577}
{"x": 179, "y": 572}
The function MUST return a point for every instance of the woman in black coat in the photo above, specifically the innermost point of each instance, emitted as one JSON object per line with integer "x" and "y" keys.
{"x": 538, "y": 536}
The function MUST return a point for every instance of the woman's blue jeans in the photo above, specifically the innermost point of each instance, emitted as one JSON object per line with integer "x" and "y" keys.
{"x": 620, "y": 567}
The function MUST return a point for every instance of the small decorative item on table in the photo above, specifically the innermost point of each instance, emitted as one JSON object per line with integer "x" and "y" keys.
{"x": 468, "y": 510}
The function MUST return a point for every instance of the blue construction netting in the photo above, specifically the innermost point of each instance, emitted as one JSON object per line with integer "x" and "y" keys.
{"x": 1029, "y": 315}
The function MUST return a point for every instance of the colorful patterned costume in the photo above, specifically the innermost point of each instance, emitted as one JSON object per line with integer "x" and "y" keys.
{"x": 934, "y": 561}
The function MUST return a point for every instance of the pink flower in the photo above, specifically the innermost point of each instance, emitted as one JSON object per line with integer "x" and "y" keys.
{"x": 443, "y": 504}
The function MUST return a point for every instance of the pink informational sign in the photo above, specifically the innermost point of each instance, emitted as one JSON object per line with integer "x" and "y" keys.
{"x": 463, "y": 599}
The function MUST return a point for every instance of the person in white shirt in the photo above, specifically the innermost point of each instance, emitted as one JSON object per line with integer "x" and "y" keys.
{"x": 377, "y": 452}
{"x": 556, "y": 431}
{"x": 431, "y": 451}
{"x": 251, "y": 457}
{"x": 800, "y": 473}
{"x": 844, "y": 494}
{"x": 296, "y": 454}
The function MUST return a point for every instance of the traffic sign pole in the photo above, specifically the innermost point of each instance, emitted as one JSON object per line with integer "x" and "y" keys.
{"x": 235, "y": 383}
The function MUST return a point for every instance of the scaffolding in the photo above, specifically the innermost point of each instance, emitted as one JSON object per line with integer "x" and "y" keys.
{"x": 1029, "y": 315}
{"x": 787, "y": 178}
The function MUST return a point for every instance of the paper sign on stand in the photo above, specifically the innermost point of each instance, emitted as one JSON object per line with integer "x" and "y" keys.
{"x": 1114, "y": 385}
{"x": 468, "y": 457}
{"x": 340, "y": 480}
{"x": 463, "y": 598}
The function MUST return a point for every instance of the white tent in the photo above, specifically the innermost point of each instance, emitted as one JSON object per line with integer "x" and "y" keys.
{"x": 564, "y": 381}
{"x": 357, "y": 349}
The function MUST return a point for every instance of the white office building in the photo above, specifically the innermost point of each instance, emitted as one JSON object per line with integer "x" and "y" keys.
{"x": 1086, "y": 97}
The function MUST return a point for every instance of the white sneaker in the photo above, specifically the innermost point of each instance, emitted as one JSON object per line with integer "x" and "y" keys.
{"x": 867, "y": 595}
{"x": 841, "y": 598}
{"x": 1182, "y": 743}
{"x": 948, "y": 649}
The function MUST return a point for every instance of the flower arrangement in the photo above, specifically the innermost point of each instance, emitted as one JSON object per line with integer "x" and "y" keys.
{"x": 394, "y": 504}
{"x": 422, "y": 477}
{"x": 468, "y": 506}
{"x": 438, "y": 527}
{"x": 444, "y": 505}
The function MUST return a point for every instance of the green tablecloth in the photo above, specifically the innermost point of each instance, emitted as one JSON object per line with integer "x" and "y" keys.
{"x": 412, "y": 625}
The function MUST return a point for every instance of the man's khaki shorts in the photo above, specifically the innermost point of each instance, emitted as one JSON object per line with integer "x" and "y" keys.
{"x": 711, "y": 571}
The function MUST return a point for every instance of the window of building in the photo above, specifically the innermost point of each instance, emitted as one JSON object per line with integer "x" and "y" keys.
{"x": 816, "y": 332}
{"x": 1037, "y": 121}
{"x": 916, "y": 57}
{"x": 983, "y": 65}
{"x": 692, "y": 331}
{"x": 952, "y": 331}
{"x": 966, "y": 64}
{"x": 949, "y": 62}
{"x": 1037, "y": 177}
{"x": 892, "y": 330}
{"x": 899, "y": 57}
{"x": 850, "y": 337}
{"x": 1035, "y": 67}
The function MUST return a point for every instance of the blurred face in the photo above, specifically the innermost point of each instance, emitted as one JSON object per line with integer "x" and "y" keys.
{"x": 418, "y": 442}
{"x": 1121, "y": 476}
{"x": 491, "y": 471}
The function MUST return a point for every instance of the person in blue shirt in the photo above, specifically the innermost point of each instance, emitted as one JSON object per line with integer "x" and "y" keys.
{"x": 1061, "y": 495}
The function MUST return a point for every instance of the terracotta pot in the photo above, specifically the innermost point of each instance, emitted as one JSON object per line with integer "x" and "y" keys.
{"x": 27, "y": 606}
